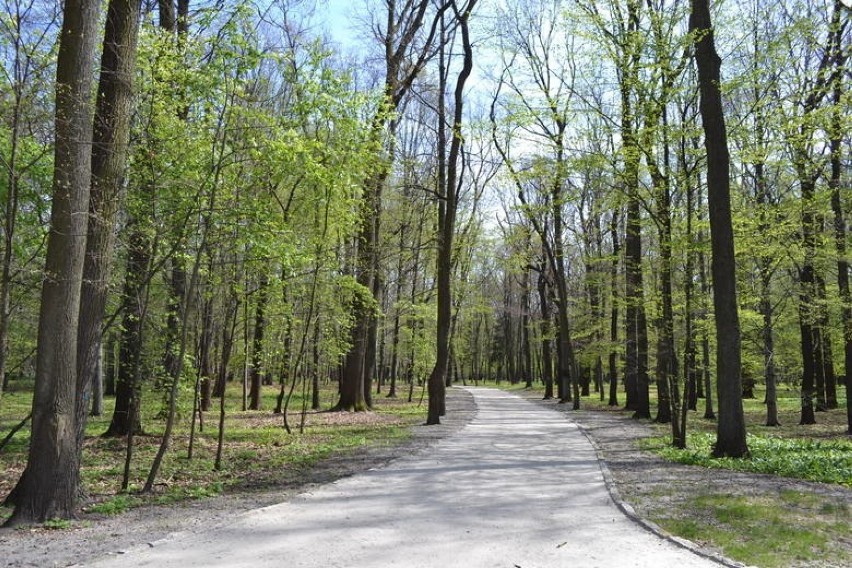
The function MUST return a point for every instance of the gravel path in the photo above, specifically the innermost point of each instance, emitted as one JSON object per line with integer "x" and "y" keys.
{"x": 519, "y": 486}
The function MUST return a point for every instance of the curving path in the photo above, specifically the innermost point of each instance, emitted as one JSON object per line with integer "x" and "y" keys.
{"x": 520, "y": 486}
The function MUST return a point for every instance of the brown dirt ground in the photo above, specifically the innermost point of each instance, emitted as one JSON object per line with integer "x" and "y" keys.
{"x": 647, "y": 483}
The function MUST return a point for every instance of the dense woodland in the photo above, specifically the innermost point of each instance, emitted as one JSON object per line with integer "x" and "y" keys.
{"x": 200, "y": 196}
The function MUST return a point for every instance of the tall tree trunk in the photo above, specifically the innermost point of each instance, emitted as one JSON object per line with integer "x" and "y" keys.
{"x": 110, "y": 138}
{"x": 545, "y": 327}
{"x": 315, "y": 368}
{"x": 447, "y": 223}
{"x": 765, "y": 273}
{"x": 126, "y": 412}
{"x": 709, "y": 413}
{"x": 667, "y": 392}
{"x": 51, "y": 480}
{"x": 809, "y": 329}
{"x": 826, "y": 357}
{"x": 613, "y": 325}
{"x": 636, "y": 325}
{"x": 690, "y": 362}
{"x": 636, "y": 334}
{"x": 730, "y": 431}
{"x": 526, "y": 346}
{"x": 205, "y": 353}
{"x": 690, "y": 398}
{"x": 835, "y": 183}
{"x": 399, "y": 35}
{"x": 256, "y": 377}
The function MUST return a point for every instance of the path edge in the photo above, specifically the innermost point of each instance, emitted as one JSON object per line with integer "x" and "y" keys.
{"x": 652, "y": 527}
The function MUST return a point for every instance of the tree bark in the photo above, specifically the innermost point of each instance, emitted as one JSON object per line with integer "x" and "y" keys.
{"x": 256, "y": 378}
{"x": 545, "y": 331}
{"x": 836, "y": 186}
{"x": 401, "y": 69}
{"x": 613, "y": 325}
{"x": 128, "y": 388}
{"x": 110, "y": 137}
{"x": 51, "y": 479}
{"x": 731, "y": 431}
{"x": 447, "y": 225}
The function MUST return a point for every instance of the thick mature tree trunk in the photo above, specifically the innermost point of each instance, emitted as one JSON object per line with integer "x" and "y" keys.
{"x": 545, "y": 326}
{"x": 613, "y": 325}
{"x": 51, "y": 480}
{"x": 731, "y": 431}
{"x": 706, "y": 376}
{"x": 636, "y": 334}
{"x": 667, "y": 391}
{"x": 690, "y": 355}
{"x": 256, "y": 377}
{"x": 110, "y": 137}
{"x": 835, "y": 184}
{"x": 205, "y": 354}
{"x": 126, "y": 412}
{"x": 352, "y": 375}
{"x": 399, "y": 35}
{"x": 636, "y": 325}
{"x": 526, "y": 345}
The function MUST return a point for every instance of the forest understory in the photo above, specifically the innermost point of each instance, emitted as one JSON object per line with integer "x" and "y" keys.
{"x": 679, "y": 498}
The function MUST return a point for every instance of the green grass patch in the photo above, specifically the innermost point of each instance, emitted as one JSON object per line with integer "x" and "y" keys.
{"x": 757, "y": 531}
{"x": 56, "y": 524}
{"x": 258, "y": 451}
{"x": 114, "y": 505}
{"x": 813, "y": 460}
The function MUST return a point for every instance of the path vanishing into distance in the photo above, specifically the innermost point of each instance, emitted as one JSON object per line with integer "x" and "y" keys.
{"x": 519, "y": 486}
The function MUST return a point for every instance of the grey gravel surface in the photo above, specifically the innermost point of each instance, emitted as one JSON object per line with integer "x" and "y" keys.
{"x": 519, "y": 487}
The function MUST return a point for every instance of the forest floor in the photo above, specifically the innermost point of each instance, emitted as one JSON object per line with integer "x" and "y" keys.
{"x": 737, "y": 514}
{"x": 671, "y": 495}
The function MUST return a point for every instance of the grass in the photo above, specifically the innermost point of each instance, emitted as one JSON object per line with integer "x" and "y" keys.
{"x": 812, "y": 460}
{"x": 258, "y": 451}
{"x": 816, "y": 452}
{"x": 767, "y": 533}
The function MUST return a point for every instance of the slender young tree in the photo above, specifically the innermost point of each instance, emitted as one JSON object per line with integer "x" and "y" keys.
{"x": 447, "y": 212}
{"x": 730, "y": 431}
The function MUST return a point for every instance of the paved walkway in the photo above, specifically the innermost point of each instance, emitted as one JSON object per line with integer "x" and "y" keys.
{"x": 518, "y": 487}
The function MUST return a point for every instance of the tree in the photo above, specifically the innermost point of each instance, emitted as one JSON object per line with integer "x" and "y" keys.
{"x": 538, "y": 111}
{"x": 406, "y": 53}
{"x": 111, "y": 133}
{"x": 50, "y": 483}
{"x": 27, "y": 36}
{"x": 447, "y": 212}
{"x": 839, "y": 60}
{"x": 731, "y": 431}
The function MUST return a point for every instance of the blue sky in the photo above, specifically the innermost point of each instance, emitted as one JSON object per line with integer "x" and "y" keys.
{"x": 338, "y": 17}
